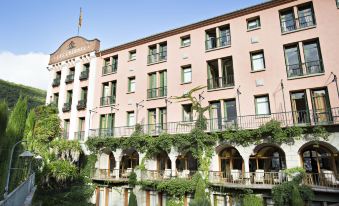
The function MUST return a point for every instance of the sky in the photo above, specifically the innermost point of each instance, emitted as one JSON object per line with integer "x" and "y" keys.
{"x": 31, "y": 30}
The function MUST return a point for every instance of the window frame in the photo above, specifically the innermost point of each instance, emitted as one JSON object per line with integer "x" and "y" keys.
{"x": 128, "y": 118}
{"x": 183, "y": 38}
{"x": 130, "y": 55}
{"x": 253, "y": 19}
{"x": 263, "y": 60}
{"x": 183, "y": 113}
{"x": 183, "y": 68}
{"x": 130, "y": 79}
{"x": 256, "y": 106}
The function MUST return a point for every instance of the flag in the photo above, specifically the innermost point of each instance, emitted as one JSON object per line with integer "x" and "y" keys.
{"x": 80, "y": 19}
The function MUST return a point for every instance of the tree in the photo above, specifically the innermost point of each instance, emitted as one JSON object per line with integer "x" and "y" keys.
{"x": 252, "y": 200}
{"x": 3, "y": 143}
{"x": 200, "y": 197}
{"x": 132, "y": 199}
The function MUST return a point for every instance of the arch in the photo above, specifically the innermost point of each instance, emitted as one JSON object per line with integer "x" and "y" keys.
{"x": 316, "y": 157}
{"x": 230, "y": 159}
{"x": 186, "y": 162}
{"x": 163, "y": 161}
{"x": 267, "y": 157}
{"x": 129, "y": 160}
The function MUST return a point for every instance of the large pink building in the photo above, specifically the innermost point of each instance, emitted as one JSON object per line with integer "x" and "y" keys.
{"x": 276, "y": 60}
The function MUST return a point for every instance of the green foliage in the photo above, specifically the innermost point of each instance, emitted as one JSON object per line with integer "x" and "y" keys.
{"x": 200, "y": 197}
{"x": 96, "y": 144}
{"x": 132, "y": 199}
{"x": 176, "y": 187}
{"x": 271, "y": 131}
{"x": 62, "y": 170}
{"x": 132, "y": 179}
{"x": 16, "y": 124}
{"x": 175, "y": 201}
{"x": 252, "y": 200}
{"x": 159, "y": 144}
{"x": 11, "y": 92}
{"x": 3, "y": 118}
{"x": 292, "y": 192}
{"x": 318, "y": 133}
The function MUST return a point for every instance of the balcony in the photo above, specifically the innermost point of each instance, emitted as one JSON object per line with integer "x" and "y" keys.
{"x": 56, "y": 82}
{"x": 297, "y": 24}
{"x": 66, "y": 107}
{"x": 287, "y": 119}
{"x": 84, "y": 75}
{"x": 109, "y": 69}
{"x": 113, "y": 175}
{"x": 213, "y": 42}
{"x": 81, "y": 105}
{"x": 69, "y": 78}
{"x": 108, "y": 100}
{"x": 156, "y": 92}
{"x": 156, "y": 58}
{"x": 304, "y": 69}
{"x": 79, "y": 135}
{"x": 220, "y": 82}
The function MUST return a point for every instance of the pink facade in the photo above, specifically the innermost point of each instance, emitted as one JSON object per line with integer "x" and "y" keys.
{"x": 268, "y": 37}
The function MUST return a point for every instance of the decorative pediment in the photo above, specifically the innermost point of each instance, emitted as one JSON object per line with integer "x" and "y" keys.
{"x": 73, "y": 47}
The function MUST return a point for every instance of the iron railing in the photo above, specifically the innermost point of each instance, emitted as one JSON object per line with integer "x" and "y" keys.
{"x": 84, "y": 75}
{"x": 286, "y": 119}
{"x": 56, "y": 82}
{"x": 109, "y": 69}
{"x": 298, "y": 23}
{"x": 213, "y": 42}
{"x": 69, "y": 78}
{"x": 156, "y": 92}
{"x": 108, "y": 100}
{"x": 19, "y": 194}
{"x": 158, "y": 57}
{"x": 307, "y": 68}
{"x": 81, "y": 105}
{"x": 79, "y": 135}
{"x": 66, "y": 107}
{"x": 110, "y": 174}
{"x": 220, "y": 82}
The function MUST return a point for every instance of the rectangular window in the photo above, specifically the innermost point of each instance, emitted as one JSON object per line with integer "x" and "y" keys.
{"x": 218, "y": 37}
{"x": 69, "y": 96}
{"x": 163, "y": 118}
{"x": 187, "y": 114}
{"x": 185, "y": 41}
{"x": 81, "y": 126}
{"x": 132, "y": 55}
{"x": 130, "y": 119}
{"x": 262, "y": 105}
{"x": 85, "y": 67}
{"x": 56, "y": 99}
{"x": 258, "y": 61}
{"x": 321, "y": 105}
{"x": 186, "y": 75}
{"x": 131, "y": 84}
{"x": 163, "y": 83}
{"x": 66, "y": 128}
{"x": 299, "y": 107}
{"x": 287, "y": 20}
{"x": 253, "y": 23}
{"x": 230, "y": 110}
{"x": 83, "y": 93}
{"x": 313, "y": 60}
{"x": 306, "y": 16}
{"x": 215, "y": 115}
{"x": 163, "y": 51}
{"x": 293, "y": 62}
{"x": 152, "y": 116}
{"x": 337, "y": 3}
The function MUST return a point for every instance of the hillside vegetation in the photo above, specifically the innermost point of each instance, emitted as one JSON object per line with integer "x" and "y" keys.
{"x": 10, "y": 92}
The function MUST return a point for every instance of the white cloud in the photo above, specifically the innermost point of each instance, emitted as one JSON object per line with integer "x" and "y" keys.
{"x": 27, "y": 69}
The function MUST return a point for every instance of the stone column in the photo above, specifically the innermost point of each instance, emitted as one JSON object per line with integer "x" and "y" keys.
{"x": 117, "y": 156}
{"x": 173, "y": 157}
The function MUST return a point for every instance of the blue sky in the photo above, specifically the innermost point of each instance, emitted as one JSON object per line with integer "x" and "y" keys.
{"x": 32, "y": 29}
{"x": 41, "y": 26}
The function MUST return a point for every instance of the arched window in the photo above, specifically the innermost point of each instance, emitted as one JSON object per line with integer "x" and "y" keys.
{"x": 268, "y": 158}
{"x": 230, "y": 159}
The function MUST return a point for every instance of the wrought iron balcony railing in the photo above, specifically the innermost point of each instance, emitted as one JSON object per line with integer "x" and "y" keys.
{"x": 84, "y": 75}
{"x": 307, "y": 68}
{"x": 213, "y": 43}
{"x": 109, "y": 69}
{"x": 220, "y": 82}
{"x": 156, "y": 92}
{"x": 79, "y": 135}
{"x": 287, "y": 119}
{"x": 108, "y": 100}
{"x": 69, "y": 78}
{"x": 56, "y": 82}
{"x": 66, "y": 107}
{"x": 81, "y": 105}
{"x": 110, "y": 174}
{"x": 158, "y": 57}
{"x": 298, "y": 23}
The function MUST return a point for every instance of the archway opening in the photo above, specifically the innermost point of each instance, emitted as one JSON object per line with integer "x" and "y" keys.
{"x": 129, "y": 161}
{"x": 230, "y": 160}
{"x": 163, "y": 161}
{"x": 269, "y": 158}
{"x": 186, "y": 165}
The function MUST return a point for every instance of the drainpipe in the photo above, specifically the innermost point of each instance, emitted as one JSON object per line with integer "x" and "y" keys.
{"x": 283, "y": 94}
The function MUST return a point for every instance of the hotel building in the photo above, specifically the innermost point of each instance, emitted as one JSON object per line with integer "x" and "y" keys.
{"x": 272, "y": 61}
